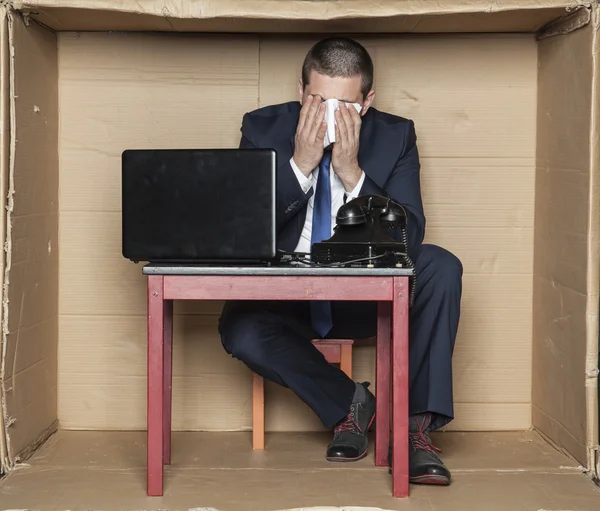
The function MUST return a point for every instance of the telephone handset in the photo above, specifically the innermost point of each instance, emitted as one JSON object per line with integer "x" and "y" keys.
{"x": 372, "y": 208}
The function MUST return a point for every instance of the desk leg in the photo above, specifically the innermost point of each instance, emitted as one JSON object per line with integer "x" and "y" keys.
{"x": 400, "y": 382}
{"x": 155, "y": 384}
{"x": 168, "y": 380}
{"x": 382, "y": 384}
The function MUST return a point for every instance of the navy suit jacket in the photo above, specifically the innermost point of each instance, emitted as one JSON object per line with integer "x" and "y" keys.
{"x": 387, "y": 154}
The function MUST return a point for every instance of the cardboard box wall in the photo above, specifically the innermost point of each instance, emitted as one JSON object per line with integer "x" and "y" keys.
{"x": 508, "y": 140}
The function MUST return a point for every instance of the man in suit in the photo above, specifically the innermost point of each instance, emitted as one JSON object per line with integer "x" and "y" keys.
{"x": 375, "y": 153}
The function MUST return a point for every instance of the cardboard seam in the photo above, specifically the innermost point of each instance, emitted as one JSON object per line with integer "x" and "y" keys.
{"x": 8, "y": 463}
{"x": 564, "y": 452}
{"x": 578, "y": 17}
{"x": 264, "y": 10}
{"x": 32, "y": 448}
{"x": 564, "y": 430}
{"x": 4, "y": 163}
{"x": 258, "y": 81}
{"x": 593, "y": 265}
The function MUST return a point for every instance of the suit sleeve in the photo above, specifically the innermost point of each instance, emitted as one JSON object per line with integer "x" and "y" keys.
{"x": 404, "y": 187}
{"x": 290, "y": 196}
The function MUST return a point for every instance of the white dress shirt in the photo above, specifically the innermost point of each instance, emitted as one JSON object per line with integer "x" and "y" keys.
{"x": 337, "y": 200}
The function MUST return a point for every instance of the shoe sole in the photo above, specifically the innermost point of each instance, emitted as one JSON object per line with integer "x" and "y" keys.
{"x": 430, "y": 479}
{"x": 349, "y": 460}
{"x": 427, "y": 479}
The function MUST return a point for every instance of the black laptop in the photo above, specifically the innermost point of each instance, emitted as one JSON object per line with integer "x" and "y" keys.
{"x": 199, "y": 206}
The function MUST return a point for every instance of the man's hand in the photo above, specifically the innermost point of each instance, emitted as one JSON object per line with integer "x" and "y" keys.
{"x": 345, "y": 147}
{"x": 310, "y": 134}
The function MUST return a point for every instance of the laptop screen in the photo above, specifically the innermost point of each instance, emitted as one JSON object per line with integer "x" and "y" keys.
{"x": 198, "y": 205}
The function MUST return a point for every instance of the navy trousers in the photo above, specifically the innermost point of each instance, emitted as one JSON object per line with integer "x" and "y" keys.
{"x": 273, "y": 340}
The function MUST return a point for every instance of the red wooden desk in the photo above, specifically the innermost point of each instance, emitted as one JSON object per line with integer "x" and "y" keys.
{"x": 389, "y": 287}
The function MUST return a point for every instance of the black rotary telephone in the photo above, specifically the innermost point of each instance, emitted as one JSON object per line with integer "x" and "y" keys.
{"x": 363, "y": 235}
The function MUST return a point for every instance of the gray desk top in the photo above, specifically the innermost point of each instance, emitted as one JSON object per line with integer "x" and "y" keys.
{"x": 278, "y": 271}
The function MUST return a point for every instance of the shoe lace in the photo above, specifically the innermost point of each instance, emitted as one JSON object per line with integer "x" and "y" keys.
{"x": 420, "y": 439}
{"x": 348, "y": 424}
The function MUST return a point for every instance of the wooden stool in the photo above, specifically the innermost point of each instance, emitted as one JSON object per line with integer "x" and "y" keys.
{"x": 336, "y": 351}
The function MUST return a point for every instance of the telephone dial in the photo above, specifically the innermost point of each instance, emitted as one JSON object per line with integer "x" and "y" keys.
{"x": 363, "y": 235}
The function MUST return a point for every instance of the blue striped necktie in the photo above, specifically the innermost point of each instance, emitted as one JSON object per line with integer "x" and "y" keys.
{"x": 320, "y": 311}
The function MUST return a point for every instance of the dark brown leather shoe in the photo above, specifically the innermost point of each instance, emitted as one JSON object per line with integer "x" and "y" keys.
{"x": 350, "y": 440}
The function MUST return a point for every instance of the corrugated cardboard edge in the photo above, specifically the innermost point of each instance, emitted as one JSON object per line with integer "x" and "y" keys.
{"x": 297, "y": 9}
{"x": 7, "y": 249}
{"x": 18, "y": 452}
{"x": 30, "y": 450}
{"x": 593, "y": 270}
{"x": 578, "y": 18}
{"x": 4, "y": 165}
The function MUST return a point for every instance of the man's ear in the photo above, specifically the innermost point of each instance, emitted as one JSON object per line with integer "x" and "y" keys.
{"x": 367, "y": 102}
{"x": 300, "y": 90}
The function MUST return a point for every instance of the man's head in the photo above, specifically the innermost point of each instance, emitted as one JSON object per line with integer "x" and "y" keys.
{"x": 338, "y": 68}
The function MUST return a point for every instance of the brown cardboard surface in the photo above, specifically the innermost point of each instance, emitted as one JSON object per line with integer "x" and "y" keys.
{"x": 89, "y": 470}
{"x": 196, "y": 90}
{"x": 4, "y": 169}
{"x": 502, "y": 451}
{"x": 593, "y": 309}
{"x": 299, "y": 16}
{"x": 65, "y": 19}
{"x": 30, "y": 316}
{"x": 473, "y": 101}
{"x": 593, "y": 269}
{"x": 561, "y": 240}
{"x": 285, "y": 9}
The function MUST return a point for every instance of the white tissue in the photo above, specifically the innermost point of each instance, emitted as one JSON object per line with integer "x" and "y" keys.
{"x": 332, "y": 105}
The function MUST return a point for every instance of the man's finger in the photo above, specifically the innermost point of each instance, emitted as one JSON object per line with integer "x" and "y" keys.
{"x": 355, "y": 116}
{"x": 309, "y": 112}
{"x": 313, "y": 109}
{"x": 345, "y": 109}
{"x": 343, "y": 129}
{"x": 304, "y": 112}
{"x": 317, "y": 123}
{"x": 321, "y": 132}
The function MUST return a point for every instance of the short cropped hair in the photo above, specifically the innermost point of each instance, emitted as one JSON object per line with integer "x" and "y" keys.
{"x": 339, "y": 57}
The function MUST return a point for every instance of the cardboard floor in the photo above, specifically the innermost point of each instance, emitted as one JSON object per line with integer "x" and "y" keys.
{"x": 106, "y": 471}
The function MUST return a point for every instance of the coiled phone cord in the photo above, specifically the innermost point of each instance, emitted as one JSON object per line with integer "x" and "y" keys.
{"x": 412, "y": 281}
